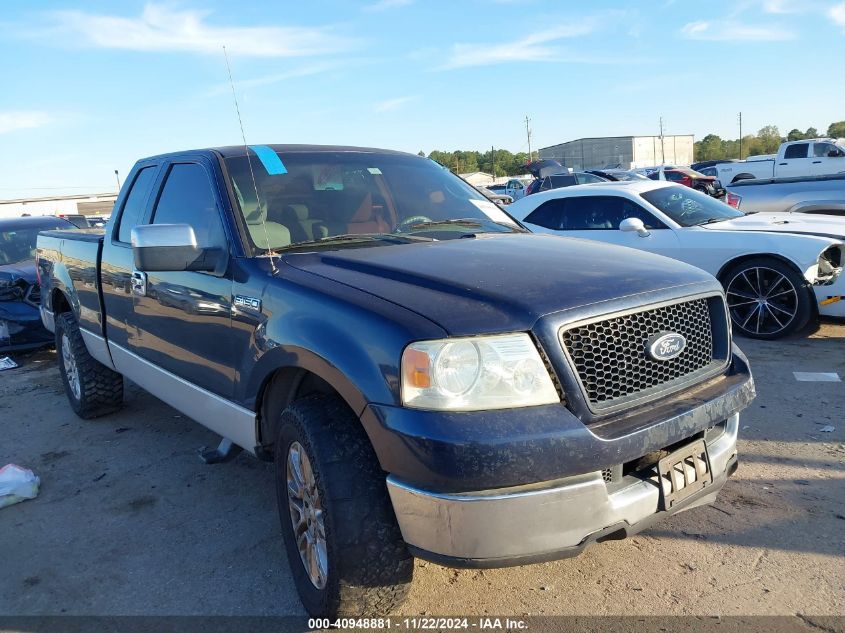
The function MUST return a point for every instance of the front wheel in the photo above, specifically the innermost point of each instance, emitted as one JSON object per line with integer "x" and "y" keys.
{"x": 767, "y": 298}
{"x": 343, "y": 544}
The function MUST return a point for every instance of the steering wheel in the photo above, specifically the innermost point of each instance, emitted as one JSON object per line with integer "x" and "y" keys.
{"x": 407, "y": 223}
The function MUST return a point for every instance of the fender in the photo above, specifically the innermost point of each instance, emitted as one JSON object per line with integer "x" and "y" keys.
{"x": 60, "y": 282}
{"x": 300, "y": 358}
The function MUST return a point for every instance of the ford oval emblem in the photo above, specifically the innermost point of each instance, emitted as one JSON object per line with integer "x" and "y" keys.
{"x": 666, "y": 346}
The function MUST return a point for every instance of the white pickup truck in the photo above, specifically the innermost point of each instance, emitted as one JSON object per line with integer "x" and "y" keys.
{"x": 810, "y": 157}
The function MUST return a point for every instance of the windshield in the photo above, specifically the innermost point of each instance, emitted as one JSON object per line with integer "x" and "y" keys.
{"x": 18, "y": 245}
{"x": 627, "y": 175}
{"x": 340, "y": 198}
{"x": 689, "y": 207}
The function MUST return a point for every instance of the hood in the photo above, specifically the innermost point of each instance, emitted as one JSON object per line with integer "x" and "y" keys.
{"x": 495, "y": 282}
{"x": 800, "y": 223}
{"x": 24, "y": 270}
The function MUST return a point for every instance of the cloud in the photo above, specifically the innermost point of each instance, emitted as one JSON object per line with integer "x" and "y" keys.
{"x": 266, "y": 80}
{"x": 734, "y": 31}
{"x": 392, "y": 104}
{"x": 163, "y": 29}
{"x": 535, "y": 47}
{"x": 12, "y": 120}
{"x": 384, "y": 5}
{"x": 837, "y": 14}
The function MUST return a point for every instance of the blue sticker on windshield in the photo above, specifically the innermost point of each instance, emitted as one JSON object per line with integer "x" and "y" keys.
{"x": 270, "y": 159}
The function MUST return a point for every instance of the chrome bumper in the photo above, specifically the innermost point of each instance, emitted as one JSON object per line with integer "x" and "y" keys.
{"x": 541, "y": 521}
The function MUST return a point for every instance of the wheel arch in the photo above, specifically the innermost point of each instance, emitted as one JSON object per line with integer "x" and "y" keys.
{"x": 743, "y": 176}
{"x": 59, "y": 302}
{"x": 733, "y": 263}
{"x": 292, "y": 374}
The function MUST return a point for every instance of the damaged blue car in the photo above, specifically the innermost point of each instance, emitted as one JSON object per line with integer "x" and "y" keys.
{"x": 20, "y": 322}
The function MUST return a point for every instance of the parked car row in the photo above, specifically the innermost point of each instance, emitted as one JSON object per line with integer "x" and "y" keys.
{"x": 410, "y": 356}
{"x": 778, "y": 270}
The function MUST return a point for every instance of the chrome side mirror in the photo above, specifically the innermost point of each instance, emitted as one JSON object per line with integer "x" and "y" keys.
{"x": 634, "y": 225}
{"x": 171, "y": 247}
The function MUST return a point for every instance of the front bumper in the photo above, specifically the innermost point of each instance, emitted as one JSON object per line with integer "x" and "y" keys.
{"x": 21, "y": 327}
{"x": 831, "y": 299}
{"x": 533, "y": 523}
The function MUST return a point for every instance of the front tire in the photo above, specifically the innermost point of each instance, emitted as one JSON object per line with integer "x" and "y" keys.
{"x": 767, "y": 298}
{"x": 92, "y": 388}
{"x": 343, "y": 544}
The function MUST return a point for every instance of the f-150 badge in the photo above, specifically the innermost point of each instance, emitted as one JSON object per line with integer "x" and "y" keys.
{"x": 247, "y": 302}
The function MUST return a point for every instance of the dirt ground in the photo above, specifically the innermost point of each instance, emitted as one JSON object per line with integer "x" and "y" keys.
{"x": 130, "y": 522}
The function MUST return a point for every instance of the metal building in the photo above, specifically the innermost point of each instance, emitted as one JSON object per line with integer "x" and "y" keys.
{"x": 85, "y": 204}
{"x": 624, "y": 152}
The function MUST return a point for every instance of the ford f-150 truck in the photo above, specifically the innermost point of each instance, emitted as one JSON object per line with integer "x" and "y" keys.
{"x": 795, "y": 159}
{"x": 429, "y": 378}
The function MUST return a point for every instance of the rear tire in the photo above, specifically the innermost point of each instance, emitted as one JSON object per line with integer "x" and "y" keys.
{"x": 340, "y": 504}
{"x": 92, "y": 388}
{"x": 768, "y": 299}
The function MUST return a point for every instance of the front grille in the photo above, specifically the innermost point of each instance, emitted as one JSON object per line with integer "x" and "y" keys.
{"x": 610, "y": 356}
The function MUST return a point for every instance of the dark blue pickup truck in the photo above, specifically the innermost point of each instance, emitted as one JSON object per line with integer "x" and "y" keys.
{"x": 429, "y": 378}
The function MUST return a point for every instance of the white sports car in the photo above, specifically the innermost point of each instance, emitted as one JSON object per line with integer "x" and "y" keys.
{"x": 779, "y": 270}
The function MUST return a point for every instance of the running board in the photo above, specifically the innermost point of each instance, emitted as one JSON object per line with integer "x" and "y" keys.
{"x": 226, "y": 451}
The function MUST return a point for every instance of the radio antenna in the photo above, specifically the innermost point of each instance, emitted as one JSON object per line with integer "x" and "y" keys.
{"x": 270, "y": 252}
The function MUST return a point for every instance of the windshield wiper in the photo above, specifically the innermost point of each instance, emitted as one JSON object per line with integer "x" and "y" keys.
{"x": 712, "y": 220}
{"x": 466, "y": 222}
{"x": 358, "y": 237}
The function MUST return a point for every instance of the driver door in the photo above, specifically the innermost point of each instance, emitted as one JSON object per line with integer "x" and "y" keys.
{"x": 598, "y": 218}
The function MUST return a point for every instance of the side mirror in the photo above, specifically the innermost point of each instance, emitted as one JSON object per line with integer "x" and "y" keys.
{"x": 634, "y": 225}
{"x": 835, "y": 153}
{"x": 171, "y": 248}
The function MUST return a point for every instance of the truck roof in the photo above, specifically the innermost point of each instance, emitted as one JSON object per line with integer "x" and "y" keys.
{"x": 229, "y": 151}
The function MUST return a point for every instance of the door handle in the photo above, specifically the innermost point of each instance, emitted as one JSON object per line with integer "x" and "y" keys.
{"x": 783, "y": 163}
{"x": 816, "y": 162}
{"x": 139, "y": 283}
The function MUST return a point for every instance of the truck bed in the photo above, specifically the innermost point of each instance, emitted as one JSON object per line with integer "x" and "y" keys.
{"x": 69, "y": 261}
{"x": 808, "y": 194}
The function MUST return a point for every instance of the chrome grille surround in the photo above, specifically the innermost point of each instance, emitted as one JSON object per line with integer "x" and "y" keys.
{"x": 607, "y": 353}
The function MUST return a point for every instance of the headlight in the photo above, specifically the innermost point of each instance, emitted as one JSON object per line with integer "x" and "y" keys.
{"x": 473, "y": 374}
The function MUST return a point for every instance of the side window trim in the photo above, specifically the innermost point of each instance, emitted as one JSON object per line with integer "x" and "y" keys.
{"x": 115, "y": 233}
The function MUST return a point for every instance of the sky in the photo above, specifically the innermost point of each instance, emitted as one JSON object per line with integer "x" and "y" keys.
{"x": 92, "y": 87}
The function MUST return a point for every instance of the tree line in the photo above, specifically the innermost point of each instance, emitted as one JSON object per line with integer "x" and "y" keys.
{"x": 501, "y": 162}
{"x": 766, "y": 141}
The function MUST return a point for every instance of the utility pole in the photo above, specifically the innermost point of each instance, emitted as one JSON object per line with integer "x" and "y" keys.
{"x": 493, "y": 160}
{"x": 662, "y": 146}
{"x": 117, "y": 177}
{"x": 740, "y": 136}
{"x": 528, "y": 134}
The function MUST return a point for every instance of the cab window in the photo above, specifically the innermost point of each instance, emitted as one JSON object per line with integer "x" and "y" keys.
{"x": 187, "y": 198}
{"x": 798, "y": 150}
{"x": 136, "y": 202}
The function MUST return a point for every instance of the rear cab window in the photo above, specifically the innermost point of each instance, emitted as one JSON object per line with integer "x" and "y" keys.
{"x": 136, "y": 203}
{"x": 798, "y": 150}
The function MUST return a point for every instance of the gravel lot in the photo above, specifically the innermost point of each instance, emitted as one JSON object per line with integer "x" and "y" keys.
{"x": 130, "y": 522}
